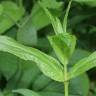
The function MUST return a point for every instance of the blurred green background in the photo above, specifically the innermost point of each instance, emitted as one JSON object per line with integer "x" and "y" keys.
{"x": 26, "y": 21}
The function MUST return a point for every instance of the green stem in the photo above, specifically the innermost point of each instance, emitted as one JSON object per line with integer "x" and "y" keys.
{"x": 66, "y": 83}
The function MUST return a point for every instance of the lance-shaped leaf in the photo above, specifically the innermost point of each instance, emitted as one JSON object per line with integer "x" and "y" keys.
{"x": 47, "y": 64}
{"x": 63, "y": 45}
{"x": 83, "y": 65}
{"x": 26, "y": 92}
{"x": 66, "y": 17}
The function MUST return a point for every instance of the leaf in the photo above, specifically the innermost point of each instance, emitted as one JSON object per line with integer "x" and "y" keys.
{"x": 66, "y": 17}
{"x": 26, "y": 92}
{"x": 50, "y": 3}
{"x": 44, "y": 44}
{"x": 12, "y": 82}
{"x": 63, "y": 46}
{"x": 27, "y": 34}
{"x": 83, "y": 65}
{"x": 80, "y": 85}
{"x": 10, "y": 15}
{"x": 38, "y": 12}
{"x": 51, "y": 94}
{"x": 57, "y": 26}
{"x": 38, "y": 17}
{"x": 10, "y": 62}
{"x": 29, "y": 73}
{"x": 12, "y": 32}
{"x": 47, "y": 64}
{"x": 76, "y": 57}
{"x": 41, "y": 82}
{"x": 81, "y": 82}
{"x": 54, "y": 87}
{"x": 88, "y": 2}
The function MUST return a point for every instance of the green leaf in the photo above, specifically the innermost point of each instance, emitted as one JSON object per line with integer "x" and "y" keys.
{"x": 10, "y": 62}
{"x": 41, "y": 82}
{"x": 12, "y": 82}
{"x": 26, "y": 92}
{"x": 38, "y": 17}
{"x": 88, "y": 2}
{"x": 47, "y": 64}
{"x": 80, "y": 85}
{"x": 63, "y": 46}
{"x": 54, "y": 87}
{"x": 29, "y": 73}
{"x": 51, "y": 94}
{"x": 57, "y": 26}
{"x": 27, "y": 34}
{"x": 76, "y": 57}
{"x": 66, "y": 17}
{"x": 83, "y": 65}
{"x": 50, "y": 3}
{"x": 10, "y": 15}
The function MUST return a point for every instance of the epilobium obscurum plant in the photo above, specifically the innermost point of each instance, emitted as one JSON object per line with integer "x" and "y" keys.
{"x": 63, "y": 44}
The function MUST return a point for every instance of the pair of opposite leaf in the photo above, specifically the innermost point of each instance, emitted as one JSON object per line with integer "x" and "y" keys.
{"x": 48, "y": 65}
{"x": 63, "y": 44}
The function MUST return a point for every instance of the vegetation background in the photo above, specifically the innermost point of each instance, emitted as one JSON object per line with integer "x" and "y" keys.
{"x": 26, "y": 22}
